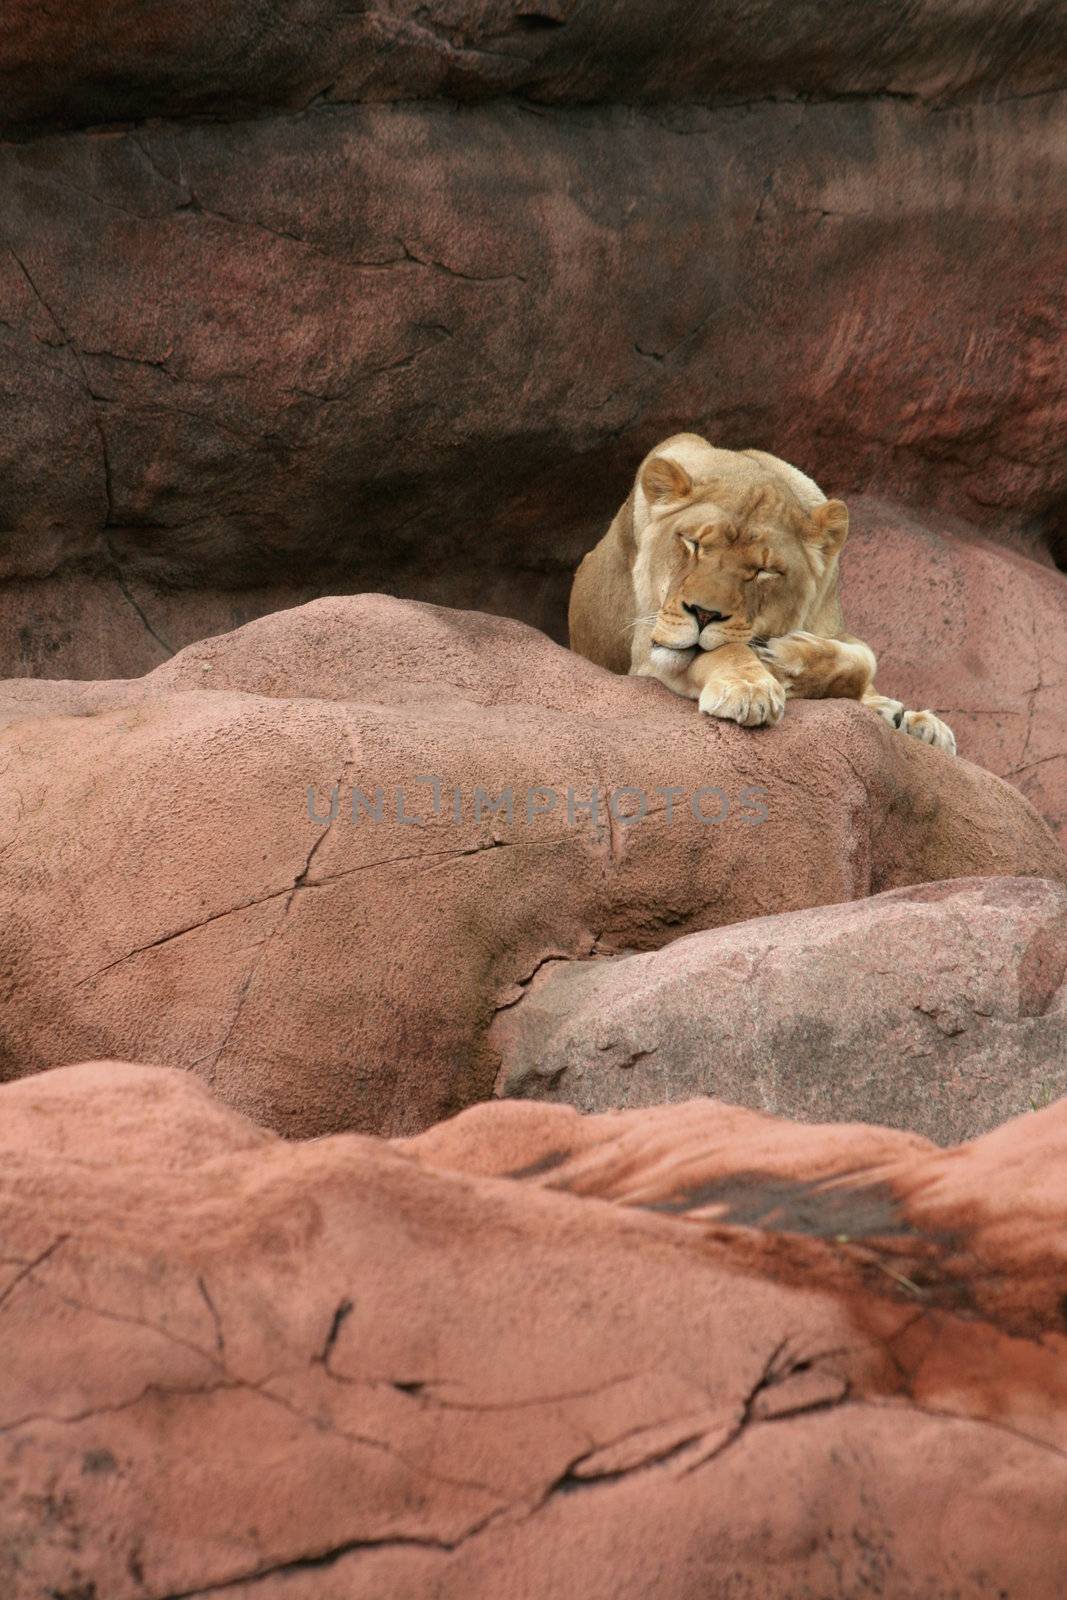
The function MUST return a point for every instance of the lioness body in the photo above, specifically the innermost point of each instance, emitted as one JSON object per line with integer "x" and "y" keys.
{"x": 719, "y": 576}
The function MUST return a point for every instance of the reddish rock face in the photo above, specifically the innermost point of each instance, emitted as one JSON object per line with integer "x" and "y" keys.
{"x": 974, "y": 629}
{"x": 392, "y": 346}
{"x": 675, "y": 1352}
{"x": 941, "y": 1009}
{"x": 98, "y": 62}
{"x": 294, "y": 298}
{"x": 167, "y": 895}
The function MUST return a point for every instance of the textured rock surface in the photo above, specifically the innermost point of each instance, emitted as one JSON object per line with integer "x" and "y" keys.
{"x": 780, "y": 1362}
{"x": 166, "y": 895}
{"x": 73, "y": 625}
{"x": 386, "y": 343}
{"x": 300, "y": 295}
{"x": 94, "y": 62}
{"x": 978, "y": 631}
{"x": 941, "y": 1009}
{"x": 959, "y": 624}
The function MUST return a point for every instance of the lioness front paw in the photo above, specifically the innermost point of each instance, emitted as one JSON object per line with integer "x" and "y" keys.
{"x": 930, "y": 729}
{"x": 814, "y": 668}
{"x": 753, "y": 705}
{"x": 788, "y": 654}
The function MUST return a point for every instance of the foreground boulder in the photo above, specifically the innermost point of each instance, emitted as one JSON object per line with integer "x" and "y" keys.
{"x": 942, "y": 1009}
{"x": 777, "y": 1362}
{"x": 175, "y": 890}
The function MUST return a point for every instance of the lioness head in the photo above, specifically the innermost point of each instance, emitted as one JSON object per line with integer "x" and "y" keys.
{"x": 736, "y": 559}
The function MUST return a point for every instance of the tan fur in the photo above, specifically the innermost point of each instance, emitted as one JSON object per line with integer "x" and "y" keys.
{"x": 719, "y": 576}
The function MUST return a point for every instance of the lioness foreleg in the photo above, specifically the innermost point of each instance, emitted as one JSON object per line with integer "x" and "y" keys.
{"x": 813, "y": 668}
{"x": 730, "y": 682}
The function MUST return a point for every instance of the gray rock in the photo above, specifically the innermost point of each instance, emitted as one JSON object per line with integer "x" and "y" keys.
{"x": 941, "y": 1009}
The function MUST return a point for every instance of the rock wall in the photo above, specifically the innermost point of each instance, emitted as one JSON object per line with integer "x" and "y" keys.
{"x": 93, "y": 62}
{"x": 976, "y": 630}
{"x": 387, "y": 341}
{"x": 315, "y": 297}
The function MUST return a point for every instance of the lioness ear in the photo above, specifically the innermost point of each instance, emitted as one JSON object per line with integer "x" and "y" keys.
{"x": 828, "y": 526}
{"x": 664, "y": 479}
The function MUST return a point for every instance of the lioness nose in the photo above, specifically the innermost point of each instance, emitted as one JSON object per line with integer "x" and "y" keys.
{"x": 704, "y": 617}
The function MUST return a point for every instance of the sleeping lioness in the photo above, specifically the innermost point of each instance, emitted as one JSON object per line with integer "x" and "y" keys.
{"x": 719, "y": 577}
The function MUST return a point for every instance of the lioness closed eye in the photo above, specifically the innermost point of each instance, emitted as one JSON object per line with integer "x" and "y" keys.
{"x": 719, "y": 577}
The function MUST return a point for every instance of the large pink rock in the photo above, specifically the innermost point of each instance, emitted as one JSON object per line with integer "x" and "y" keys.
{"x": 168, "y": 896}
{"x": 942, "y": 1009}
{"x": 682, "y": 1352}
{"x": 978, "y": 630}
{"x": 971, "y": 628}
